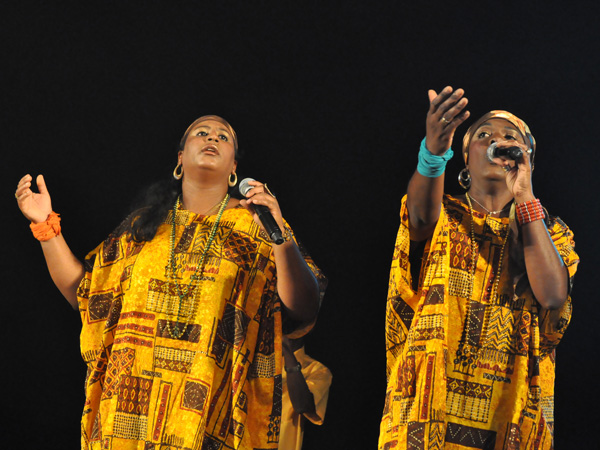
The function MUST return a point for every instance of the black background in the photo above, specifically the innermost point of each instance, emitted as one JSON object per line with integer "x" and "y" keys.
{"x": 329, "y": 101}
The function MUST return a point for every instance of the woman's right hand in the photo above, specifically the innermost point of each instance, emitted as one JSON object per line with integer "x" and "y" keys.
{"x": 444, "y": 116}
{"x": 36, "y": 207}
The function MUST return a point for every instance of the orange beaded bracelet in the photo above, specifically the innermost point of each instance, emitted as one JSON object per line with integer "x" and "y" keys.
{"x": 45, "y": 231}
{"x": 530, "y": 211}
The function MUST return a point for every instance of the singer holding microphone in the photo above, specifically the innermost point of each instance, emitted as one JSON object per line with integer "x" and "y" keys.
{"x": 184, "y": 306}
{"x": 479, "y": 293}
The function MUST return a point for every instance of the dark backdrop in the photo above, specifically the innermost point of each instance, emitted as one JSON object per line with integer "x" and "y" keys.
{"x": 329, "y": 101}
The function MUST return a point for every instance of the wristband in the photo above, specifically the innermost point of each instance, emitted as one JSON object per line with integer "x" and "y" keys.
{"x": 296, "y": 368}
{"x": 430, "y": 165}
{"x": 530, "y": 211}
{"x": 44, "y": 231}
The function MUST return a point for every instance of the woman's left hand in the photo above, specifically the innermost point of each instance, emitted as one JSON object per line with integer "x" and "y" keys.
{"x": 518, "y": 172}
{"x": 258, "y": 195}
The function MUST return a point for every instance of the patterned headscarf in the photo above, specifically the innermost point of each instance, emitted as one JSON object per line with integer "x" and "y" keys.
{"x": 499, "y": 114}
{"x": 218, "y": 119}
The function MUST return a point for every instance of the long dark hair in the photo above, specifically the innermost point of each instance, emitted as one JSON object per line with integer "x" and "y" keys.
{"x": 152, "y": 207}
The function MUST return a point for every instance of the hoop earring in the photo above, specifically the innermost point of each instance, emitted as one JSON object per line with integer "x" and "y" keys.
{"x": 178, "y": 175}
{"x": 234, "y": 182}
{"x": 464, "y": 179}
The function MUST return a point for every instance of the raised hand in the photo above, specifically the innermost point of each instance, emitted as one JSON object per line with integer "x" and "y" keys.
{"x": 446, "y": 113}
{"x": 34, "y": 206}
{"x": 258, "y": 195}
{"x": 518, "y": 172}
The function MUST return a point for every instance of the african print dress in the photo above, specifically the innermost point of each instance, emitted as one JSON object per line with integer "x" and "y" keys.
{"x": 216, "y": 385}
{"x": 470, "y": 357}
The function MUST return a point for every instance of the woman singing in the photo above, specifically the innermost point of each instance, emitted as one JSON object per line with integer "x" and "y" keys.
{"x": 183, "y": 307}
{"x": 479, "y": 294}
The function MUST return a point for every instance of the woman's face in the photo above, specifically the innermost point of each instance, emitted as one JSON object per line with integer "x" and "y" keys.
{"x": 493, "y": 130}
{"x": 209, "y": 146}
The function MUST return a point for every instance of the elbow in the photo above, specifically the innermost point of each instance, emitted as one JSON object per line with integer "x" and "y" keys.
{"x": 553, "y": 302}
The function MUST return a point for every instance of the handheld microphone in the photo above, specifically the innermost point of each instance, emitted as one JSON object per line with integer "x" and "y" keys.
{"x": 513, "y": 152}
{"x": 264, "y": 215}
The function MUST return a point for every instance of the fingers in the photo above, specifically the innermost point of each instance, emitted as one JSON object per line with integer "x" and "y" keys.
{"x": 440, "y": 98}
{"x": 446, "y": 110}
{"x": 258, "y": 188}
{"x": 41, "y": 184}
{"x": 23, "y": 187}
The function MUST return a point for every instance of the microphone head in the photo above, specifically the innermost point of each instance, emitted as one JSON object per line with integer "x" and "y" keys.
{"x": 513, "y": 152}
{"x": 245, "y": 186}
{"x": 490, "y": 152}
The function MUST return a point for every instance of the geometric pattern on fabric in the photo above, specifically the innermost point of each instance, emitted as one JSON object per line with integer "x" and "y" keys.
{"x": 134, "y": 395}
{"x": 547, "y": 405}
{"x": 408, "y": 385}
{"x": 436, "y": 435}
{"x": 274, "y": 428}
{"x": 470, "y": 436}
{"x": 468, "y": 400}
{"x": 165, "y": 330}
{"x": 403, "y": 310}
{"x": 150, "y": 389}
{"x": 232, "y": 328}
{"x": 194, "y": 396}
{"x": 435, "y": 295}
{"x": 416, "y": 435}
{"x": 463, "y": 348}
{"x": 500, "y": 329}
{"x": 163, "y": 298}
{"x": 121, "y": 363}
{"x": 459, "y": 282}
{"x": 460, "y": 248}
{"x": 99, "y": 306}
{"x": 406, "y": 406}
{"x": 263, "y": 366}
{"x": 130, "y": 426}
{"x": 427, "y": 327}
{"x": 238, "y": 248}
{"x": 177, "y": 360}
{"x": 474, "y": 323}
{"x": 112, "y": 251}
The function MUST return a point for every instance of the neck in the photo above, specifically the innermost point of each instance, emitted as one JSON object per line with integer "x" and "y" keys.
{"x": 492, "y": 197}
{"x": 199, "y": 197}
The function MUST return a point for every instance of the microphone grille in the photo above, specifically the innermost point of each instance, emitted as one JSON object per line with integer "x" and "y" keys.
{"x": 244, "y": 186}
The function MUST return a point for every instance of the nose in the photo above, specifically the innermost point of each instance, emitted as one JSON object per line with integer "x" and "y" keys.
{"x": 213, "y": 135}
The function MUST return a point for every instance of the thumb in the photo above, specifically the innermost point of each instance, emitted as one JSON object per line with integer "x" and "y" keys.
{"x": 41, "y": 184}
{"x": 432, "y": 94}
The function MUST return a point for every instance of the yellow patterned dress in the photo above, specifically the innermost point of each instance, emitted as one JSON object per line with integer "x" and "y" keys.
{"x": 215, "y": 386}
{"x": 470, "y": 359}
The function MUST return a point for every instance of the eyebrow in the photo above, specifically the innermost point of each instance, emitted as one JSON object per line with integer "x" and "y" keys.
{"x": 486, "y": 124}
{"x": 219, "y": 129}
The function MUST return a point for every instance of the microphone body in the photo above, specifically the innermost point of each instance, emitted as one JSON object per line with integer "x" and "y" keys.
{"x": 264, "y": 215}
{"x": 508, "y": 152}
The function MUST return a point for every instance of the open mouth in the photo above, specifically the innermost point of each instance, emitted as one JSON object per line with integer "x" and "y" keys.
{"x": 211, "y": 150}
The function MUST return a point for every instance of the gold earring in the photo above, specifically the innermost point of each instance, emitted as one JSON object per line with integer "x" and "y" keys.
{"x": 234, "y": 182}
{"x": 178, "y": 175}
{"x": 464, "y": 179}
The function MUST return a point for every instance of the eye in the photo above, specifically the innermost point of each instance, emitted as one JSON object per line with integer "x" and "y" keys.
{"x": 511, "y": 137}
{"x": 201, "y": 133}
{"x": 482, "y": 134}
{"x": 223, "y": 137}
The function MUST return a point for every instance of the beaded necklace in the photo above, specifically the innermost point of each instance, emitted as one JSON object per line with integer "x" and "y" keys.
{"x": 467, "y": 355}
{"x": 197, "y": 275}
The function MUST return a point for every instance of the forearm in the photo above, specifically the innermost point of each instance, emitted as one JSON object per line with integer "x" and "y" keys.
{"x": 424, "y": 200}
{"x": 301, "y": 398}
{"x": 296, "y": 284}
{"x": 546, "y": 270}
{"x": 65, "y": 269}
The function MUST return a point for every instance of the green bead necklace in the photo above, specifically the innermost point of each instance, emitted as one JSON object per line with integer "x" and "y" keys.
{"x": 177, "y": 331}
